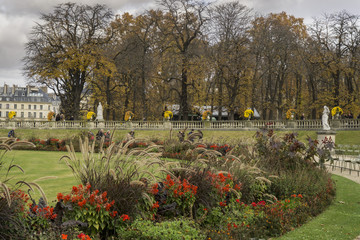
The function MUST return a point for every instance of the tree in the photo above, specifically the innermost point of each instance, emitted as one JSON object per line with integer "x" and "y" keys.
{"x": 63, "y": 51}
{"x": 230, "y": 24}
{"x": 179, "y": 27}
{"x": 338, "y": 36}
{"x": 275, "y": 40}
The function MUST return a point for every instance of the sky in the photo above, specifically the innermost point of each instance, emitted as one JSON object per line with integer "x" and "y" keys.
{"x": 17, "y": 17}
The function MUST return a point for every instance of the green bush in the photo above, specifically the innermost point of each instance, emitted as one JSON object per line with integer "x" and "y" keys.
{"x": 166, "y": 230}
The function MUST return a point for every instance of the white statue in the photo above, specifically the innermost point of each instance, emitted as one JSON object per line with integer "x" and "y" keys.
{"x": 99, "y": 115}
{"x": 325, "y": 118}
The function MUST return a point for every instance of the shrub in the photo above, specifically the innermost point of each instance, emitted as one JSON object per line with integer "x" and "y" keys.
{"x": 166, "y": 230}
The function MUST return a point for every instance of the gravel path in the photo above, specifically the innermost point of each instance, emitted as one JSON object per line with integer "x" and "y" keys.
{"x": 345, "y": 173}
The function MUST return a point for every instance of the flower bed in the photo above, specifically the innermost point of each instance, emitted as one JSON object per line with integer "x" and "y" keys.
{"x": 210, "y": 194}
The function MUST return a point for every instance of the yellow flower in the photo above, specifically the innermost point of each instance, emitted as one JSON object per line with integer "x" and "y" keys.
{"x": 168, "y": 115}
{"x": 336, "y": 110}
{"x": 248, "y": 113}
{"x": 50, "y": 115}
{"x": 128, "y": 116}
{"x": 12, "y": 114}
{"x": 290, "y": 113}
{"x": 206, "y": 115}
{"x": 90, "y": 115}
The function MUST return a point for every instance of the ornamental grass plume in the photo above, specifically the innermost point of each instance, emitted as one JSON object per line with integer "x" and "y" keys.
{"x": 11, "y": 198}
{"x": 122, "y": 172}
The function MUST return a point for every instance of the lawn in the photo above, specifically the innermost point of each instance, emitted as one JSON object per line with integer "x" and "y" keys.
{"x": 342, "y": 137}
{"x": 44, "y": 168}
{"x": 340, "y": 221}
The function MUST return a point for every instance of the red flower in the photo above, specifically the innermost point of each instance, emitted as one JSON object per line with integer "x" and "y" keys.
{"x": 237, "y": 187}
{"x": 154, "y": 189}
{"x": 108, "y": 206}
{"x": 63, "y": 236}
{"x": 253, "y": 204}
{"x": 82, "y": 203}
{"x": 103, "y": 195}
{"x": 125, "y": 217}
{"x": 81, "y": 235}
{"x": 113, "y": 214}
{"x": 155, "y": 205}
{"x": 60, "y": 196}
{"x": 98, "y": 207}
{"x": 300, "y": 196}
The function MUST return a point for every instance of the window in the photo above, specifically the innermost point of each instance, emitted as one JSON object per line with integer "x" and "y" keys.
{"x": 0, "y": 113}
{"x": 22, "y": 114}
{"x": 15, "y": 106}
{"x": 29, "y": 114}
{"x": 34, "y": 114}
{"x": 34, "y": 107}
{"x": 22, "y": 106}
{"x": 41, "y": 107}
{"x": 0, "y": 105}
{"x": 7, "y": 114}
{"x": 48, "y": 107}
{"x": 41, "y": 114}
{"x": 29, "y": 106}
{"x": 7, "y": 106}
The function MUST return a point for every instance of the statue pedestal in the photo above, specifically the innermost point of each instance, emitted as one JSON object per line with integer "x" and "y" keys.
{"x": 325, "y": 135}
{"x": 100, "y": 124}
{"x": 128, "y": 125}
{"x": 335, "y": 123}
{"x": 248, "y": 124}
{"x": 290, "y": 124}
{"x": 167, "y": 124}
{"x": 207, "y": 124}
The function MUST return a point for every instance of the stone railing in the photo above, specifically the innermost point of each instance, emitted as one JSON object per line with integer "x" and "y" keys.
{"x": 344, "y": 124}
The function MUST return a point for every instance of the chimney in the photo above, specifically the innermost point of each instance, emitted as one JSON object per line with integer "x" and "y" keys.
{"x": 13, "y": 89}
{"x": 27, "y": 90}
{"x": 5, "y": 88}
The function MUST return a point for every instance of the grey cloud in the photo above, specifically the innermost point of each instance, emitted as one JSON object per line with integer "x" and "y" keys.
{"x": 35, "y": 7}
{"x": 18, "y": 16}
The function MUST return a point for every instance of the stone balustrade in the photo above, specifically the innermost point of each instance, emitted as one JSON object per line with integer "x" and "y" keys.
{"x": 344, "y": 124}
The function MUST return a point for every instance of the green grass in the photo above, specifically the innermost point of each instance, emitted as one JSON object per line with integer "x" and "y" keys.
{"x": 340, "y": 221}
{"x": 42, "y": 164}
{"x": 342, "y": 137}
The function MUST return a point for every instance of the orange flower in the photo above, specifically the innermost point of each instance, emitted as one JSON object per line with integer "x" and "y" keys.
{"x": 63, "y": 236}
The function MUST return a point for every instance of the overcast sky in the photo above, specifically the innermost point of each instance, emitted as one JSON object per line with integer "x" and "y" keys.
{"x": 18, "y": 16}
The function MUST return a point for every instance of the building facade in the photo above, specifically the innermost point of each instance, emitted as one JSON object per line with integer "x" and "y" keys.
{"x": 29, "y": 103}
